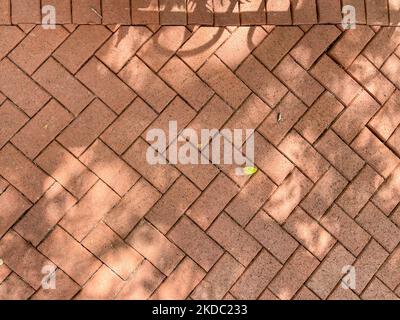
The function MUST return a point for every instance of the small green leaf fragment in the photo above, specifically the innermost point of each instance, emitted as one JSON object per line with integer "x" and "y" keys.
{"x": 248, "y": 171}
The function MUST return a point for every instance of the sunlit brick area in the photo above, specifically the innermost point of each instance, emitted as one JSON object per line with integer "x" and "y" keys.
{"x": 80, "y": 202}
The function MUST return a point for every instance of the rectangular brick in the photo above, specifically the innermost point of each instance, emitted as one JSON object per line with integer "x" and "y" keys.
{"x": 42, "y": 129}
{"x": 151, "y": 89}
{"x": 278, "y": 12}
{"x": 377, "y": 12}
{"x": 305, "y": 294}
{"x": 155, "y": 247}
{"x": 116, "y": 11}
{"x": 389, "y": 273}
{"x": 76, "y": 255}
{"x": 394, "y": 141}
{"x": 3, "y": 185}
{"x": 25, "y": 11}
{"x": 86, "y": 127}
{"x": 132, "y": 208}
{"x": 104, "y": 285}
{"x": 200, "y": 12}
{"x": 238, "y": 43}
{"x": 394, "y": 8}
{"x": 355, "y": 117}
{"x": 389, "y": 69}
{"x": 109, "y": 167}
{"x": 186, "y": 83}
{"x": 83, "y": 42}
{"x": 13, "y": 205}
{"x": 14, "y": 288}
{"x": 86, "y": 11}
{"x": 385, "y": 42}
{"x": 330, "y": 75}
{"x": 66, "y": 169}
{"x": 112, "y": 250}
{"x": 195, "y": 243}
{"x": 283, "y": 202}
{"x": 11, "y": 36}
{"x": 298, "y": 80}
{"x": 208, "y": 38}
{"x": 314, "y": 43}
{"x": 373, "y": 80}
{"x": 218, "y": 281}
{"x": 63, "y": 86}
{"x": 324, "y": 193}
{"x": 5, "y": 12}
{"x": 352, "y": 42}
{"x": 31, "y": 99}
{"x": 250, "y": 199}
{"x": 173, "y": 204}
{"x": 261, "y": 81}
{"x": 45, "y": 214}
{"x": 224, "y": 82}
{"x": 388, "y": 195}
{"x": 387, "y": 119}
{"x": 293, "y": 274}
{"x": 340, "y": 155}
{"x": 122, "y": 45}
{"x": 172, "y": 12}
{"x": 252, "y": 12}
{"x": 256, "y": 277}
{"x": 11, "y": 120}
{"x": 83, "y": 217}
{"x": 63, "y": 10}
{"x": 375, "y": 153}
{"x": 378, "y": 291}
{"x": 145, "y": 12}
{"x": 212, "y": 201}
{"x": 379, "y": 226}
{"x": 213, "y": 115}
{"x": 163, "y": 45}
{"x": 41, "y": 43}
{"x": 162, "y": 176}
{"x": 360, "y": 190}
{"x": 134, "y": 289}
{"x": 329, "y": 272}
{"x": 23, "y": 174}
{"x": 272, "y": 236}
{"x": 330, "y": 11}
{"x": 181, "y": 282}
{"x": 316, "y": 239}
{"x": 23, "y": 258}
{"x": 65, "y": 289}
{"x": 290, "y": 109}
{"x": 179, "y": 111}
{"x": 106, "y": 85}
{"x": 368, "y": 263}
{"x": 277, "y": 44}
{"x": 249, "y": 116}
{"x": 128, "y": 126}
{"x": 319, "y": 117}
{"x": 359, "y": 5}
{"x": 304, "y": 11}
{"x": 234, "y": 239}
{"x": 304, "y": 156}
{"x": 226, "y": 13}
{"x": 343, "y": 228}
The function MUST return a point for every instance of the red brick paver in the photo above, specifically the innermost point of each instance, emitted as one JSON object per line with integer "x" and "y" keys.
{"x": 76, "y": 190}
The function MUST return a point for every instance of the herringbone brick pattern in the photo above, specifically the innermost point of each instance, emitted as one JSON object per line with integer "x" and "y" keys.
{"x": 76, "y": 191}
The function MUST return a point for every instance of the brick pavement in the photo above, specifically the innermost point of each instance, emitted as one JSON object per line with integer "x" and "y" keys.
{"x": 77, "y": 193}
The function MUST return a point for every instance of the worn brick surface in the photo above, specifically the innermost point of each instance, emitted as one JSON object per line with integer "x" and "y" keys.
{"x": 76, "y": 189}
